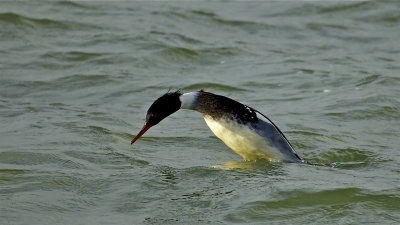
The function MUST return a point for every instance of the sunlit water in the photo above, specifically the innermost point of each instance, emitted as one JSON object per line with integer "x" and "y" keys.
{"x": 76, "y": 79}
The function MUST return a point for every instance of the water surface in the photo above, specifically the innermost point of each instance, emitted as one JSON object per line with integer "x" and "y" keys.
{"x": 76, "y": 79}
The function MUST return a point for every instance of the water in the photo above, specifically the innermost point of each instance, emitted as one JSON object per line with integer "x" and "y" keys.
{"x": 76, "y": 79}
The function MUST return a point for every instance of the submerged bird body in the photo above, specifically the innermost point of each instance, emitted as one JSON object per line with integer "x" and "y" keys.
{"x": 243, "y": 129}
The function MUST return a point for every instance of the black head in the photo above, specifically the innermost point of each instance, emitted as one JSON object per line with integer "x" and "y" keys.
{"x": 163, "y": 107}
{"x": 159, "y": 110}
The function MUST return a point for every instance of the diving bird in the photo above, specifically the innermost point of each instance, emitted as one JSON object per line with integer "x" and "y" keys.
{"x": 243, "y": 129}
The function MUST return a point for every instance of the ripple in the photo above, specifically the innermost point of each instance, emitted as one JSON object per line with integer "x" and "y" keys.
{"x": 177, "y": 54}
{"x": 339, "y": 202}
{"x": 200, "y": 56}
{"x": 73, "y": 56}
{"x": 368, "y": 80}
{"x": 78, "y": 81}
{"x": 175, "y": 38}
{"x": 212, "y": 86}
{"x": 387, "y": 112}
{"x": 72, "y": 5}
{"x": 19, "y": 20}
{"x": 344, "y": 155}
{"x": 343, "y": 7}
{"x": 325, "y": 26}
{"x": 111, "y": 159}
{"x": 33, "y": 159}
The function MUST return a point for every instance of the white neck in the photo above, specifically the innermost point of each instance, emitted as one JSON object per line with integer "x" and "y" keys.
{"x": 188, "y": 100}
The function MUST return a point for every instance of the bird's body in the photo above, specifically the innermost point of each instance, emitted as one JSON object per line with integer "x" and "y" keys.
{"x": 243, "y": 129}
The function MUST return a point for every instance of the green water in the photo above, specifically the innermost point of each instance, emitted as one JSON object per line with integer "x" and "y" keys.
{"x": 76, "y": 79}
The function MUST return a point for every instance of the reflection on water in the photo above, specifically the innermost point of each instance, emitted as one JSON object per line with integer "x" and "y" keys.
{"x": 244, "y": 165}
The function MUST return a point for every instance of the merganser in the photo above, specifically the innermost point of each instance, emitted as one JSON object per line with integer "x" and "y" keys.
{"x": 243, "y": 129}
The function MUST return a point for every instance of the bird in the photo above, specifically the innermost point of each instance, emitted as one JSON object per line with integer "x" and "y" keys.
{"x": 243, "y": 129}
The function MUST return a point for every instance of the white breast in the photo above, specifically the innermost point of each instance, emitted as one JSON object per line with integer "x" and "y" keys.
{"x": 243, "y": 140}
